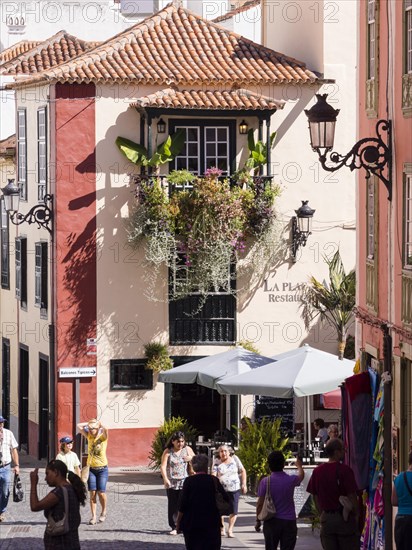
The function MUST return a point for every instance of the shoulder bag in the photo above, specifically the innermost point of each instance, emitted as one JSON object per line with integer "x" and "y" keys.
{"x": 268, "y": 510}
{"x": 61, "y": 527}
{"x": 18, "y": 493}
{"x": 224, "y": 507}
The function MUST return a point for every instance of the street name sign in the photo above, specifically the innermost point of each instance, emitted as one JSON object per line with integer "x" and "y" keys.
{"x": 77, "y": 372}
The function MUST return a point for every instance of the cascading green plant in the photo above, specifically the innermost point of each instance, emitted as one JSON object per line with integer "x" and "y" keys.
{"x": 200, "y": 231}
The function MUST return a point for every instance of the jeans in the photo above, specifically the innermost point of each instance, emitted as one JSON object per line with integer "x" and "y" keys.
{"x": 5, "y": 475}
{"x": 98, "y": 479}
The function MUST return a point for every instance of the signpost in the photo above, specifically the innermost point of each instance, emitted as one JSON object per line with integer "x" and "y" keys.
{"x": 77, "y": 372}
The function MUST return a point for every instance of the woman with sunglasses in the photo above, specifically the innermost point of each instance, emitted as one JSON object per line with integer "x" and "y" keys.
{"x": 174, "y": 469}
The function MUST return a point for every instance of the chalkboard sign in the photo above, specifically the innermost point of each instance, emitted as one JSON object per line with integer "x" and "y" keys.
{"x": 275, "y": 407}
{"x": 301, "y": 496}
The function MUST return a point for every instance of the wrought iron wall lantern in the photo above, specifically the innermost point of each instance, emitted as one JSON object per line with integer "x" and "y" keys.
{"x": 243, "y": 127}
{"x": 301, "y": 227}
{"x": 371, "y": 153}
{"x": 40, "y": 213}
{"x": 161, "y": 126}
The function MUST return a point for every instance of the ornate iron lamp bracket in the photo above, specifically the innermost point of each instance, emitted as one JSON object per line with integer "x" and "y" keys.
{"x": 372, "y": 154}
{"x": 40, "y": 214}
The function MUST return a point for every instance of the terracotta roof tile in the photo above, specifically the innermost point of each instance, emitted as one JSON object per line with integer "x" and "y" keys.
{"x": 176, "y": 46}
{"x": 238, "y": 9}
{"x": 234, "y": 100}
{"x": 52, "y": 52}
{"x": 13, "y": 51}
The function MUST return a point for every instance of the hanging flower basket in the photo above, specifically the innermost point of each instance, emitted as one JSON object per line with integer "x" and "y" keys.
{"x": 202, "y": 230}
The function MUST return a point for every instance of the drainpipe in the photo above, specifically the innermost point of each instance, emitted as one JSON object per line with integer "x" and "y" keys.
{"x": 268, "y": 148}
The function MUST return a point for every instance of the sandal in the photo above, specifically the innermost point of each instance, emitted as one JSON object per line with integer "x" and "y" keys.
{"x": 230, "y": 535}
{"x": 102, "y": 519}
{"x": 92, "y": 521}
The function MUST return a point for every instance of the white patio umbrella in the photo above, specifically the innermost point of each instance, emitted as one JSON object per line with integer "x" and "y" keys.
{"x": 304, "y": 371}
{"x": 209, "y": 370}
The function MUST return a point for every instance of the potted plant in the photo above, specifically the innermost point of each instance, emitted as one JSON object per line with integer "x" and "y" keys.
{"x": 158, "y": 358}
{"x": 165, "y": 152}
{"x": 256, "y": 441}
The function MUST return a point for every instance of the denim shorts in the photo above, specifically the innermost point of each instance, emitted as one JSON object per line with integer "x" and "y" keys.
{"x": 98, "y": 479}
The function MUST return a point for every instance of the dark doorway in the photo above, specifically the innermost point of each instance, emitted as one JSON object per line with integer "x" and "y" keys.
{"x": 200, "y": 406}
{"x": 5, "y": 379}
{"x": 24, "y": 398}
{"x": 43, "y": 407}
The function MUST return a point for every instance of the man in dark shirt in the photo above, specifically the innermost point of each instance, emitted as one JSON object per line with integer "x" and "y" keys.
{"x": 330, "y": 482}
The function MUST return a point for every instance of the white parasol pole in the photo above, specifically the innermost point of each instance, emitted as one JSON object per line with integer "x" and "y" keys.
{"x": 305, "y": 439}
{"x": 309, "y": 423}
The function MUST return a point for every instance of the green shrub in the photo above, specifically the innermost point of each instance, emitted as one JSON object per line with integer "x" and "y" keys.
{"x": 256, "y": 441}
{"x": 169, "y": 427}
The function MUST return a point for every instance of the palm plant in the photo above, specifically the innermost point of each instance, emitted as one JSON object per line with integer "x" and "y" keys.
{"x": 333, "y": 301}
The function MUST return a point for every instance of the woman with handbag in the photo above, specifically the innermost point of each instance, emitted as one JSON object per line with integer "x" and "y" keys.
{"x": 61, "y": 506}
{"x": 232, "y": 475}
{"x": 280, "y": 527}
{"x": 402, "y": 498}
{"x": 199, "y": 515}
{"x": 174, "y": 467}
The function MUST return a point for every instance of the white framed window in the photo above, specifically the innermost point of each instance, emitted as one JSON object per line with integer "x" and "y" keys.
{"x": 41, "y": 153}
{"x": 189, "y": 157}
{"x": 408, "y": 36}
{"x": 371, "y": 39}
{"x": 40, "y": 275}
{"x": 407, "y": 223}
{"x": 370, "y": 252}
{"x": 22, "y": 152}
{"x": 216, "y": 144}
{"x": 21, "y": 270}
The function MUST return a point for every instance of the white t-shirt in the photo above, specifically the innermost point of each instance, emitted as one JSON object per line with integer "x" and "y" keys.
{"x": 70, "y": 459}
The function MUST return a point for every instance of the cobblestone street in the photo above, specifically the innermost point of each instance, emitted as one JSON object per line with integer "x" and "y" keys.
{"x": 137, "y": 518}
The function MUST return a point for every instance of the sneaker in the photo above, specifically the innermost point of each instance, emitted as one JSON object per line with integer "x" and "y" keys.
{"x": 173, "y": 532}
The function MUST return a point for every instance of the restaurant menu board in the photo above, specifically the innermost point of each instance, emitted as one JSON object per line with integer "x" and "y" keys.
{"x": 275, "y": 407}
{"x": 301, "y": 496}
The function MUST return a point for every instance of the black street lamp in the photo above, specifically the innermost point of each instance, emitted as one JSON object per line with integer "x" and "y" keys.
{"x": 372, "y": 153}
{"x": 161, "y": 126}
{"x": 301, "y": 227}
{"x": 243, "y": 127}
{"x": 40, "y": 213}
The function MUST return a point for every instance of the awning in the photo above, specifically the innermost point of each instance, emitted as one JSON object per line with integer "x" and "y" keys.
{"x": 332, "y": 400}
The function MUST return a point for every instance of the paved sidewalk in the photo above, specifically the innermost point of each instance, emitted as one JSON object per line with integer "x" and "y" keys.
{"x": 137, "y": 518}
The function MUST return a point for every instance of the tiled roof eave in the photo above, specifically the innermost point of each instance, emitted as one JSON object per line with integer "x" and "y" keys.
{"x": 21, "y": 81}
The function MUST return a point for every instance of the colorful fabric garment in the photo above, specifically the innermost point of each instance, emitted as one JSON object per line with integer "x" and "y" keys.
{"x": 228, "y": 473}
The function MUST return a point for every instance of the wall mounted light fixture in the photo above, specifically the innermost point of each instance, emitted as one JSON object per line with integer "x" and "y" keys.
{"x": 161, "y": 126}
{"x": 301, "y": 227}
{"x": 243, "y": 127}
{"x": 371, "y": 153}
{"x": 40, "y": 213}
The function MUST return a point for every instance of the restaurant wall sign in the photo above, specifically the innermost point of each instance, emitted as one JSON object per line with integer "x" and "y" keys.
{"x": 283, "y": 292}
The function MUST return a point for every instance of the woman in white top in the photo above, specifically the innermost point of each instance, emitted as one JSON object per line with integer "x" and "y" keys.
{"x": 232, "y": 475}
